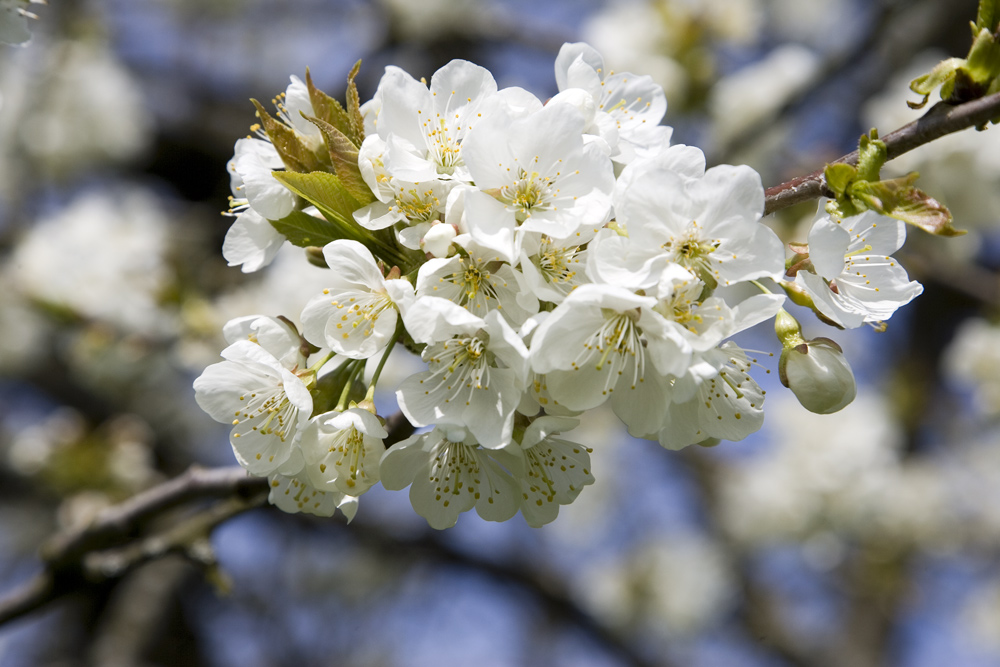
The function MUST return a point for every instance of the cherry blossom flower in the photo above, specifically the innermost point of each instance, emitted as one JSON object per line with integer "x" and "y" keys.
{"x": 448, "y": 473}
{"x": 477, "y": 370}
{"x": 356, "y": 316}
{"x": 291, "y": 491}
{"x": 262, "y": 394}
{"x": 551, "y": 471}
{"x": 424, "y": 127}
{"x": 631, "y": 105}
{"x": 534, "y": 174}
{"x": 716, "y": 398}
{"x": 479, "y": 282}
{"x": 709, "y": 225}
{"x": 856, "y": 279}
{"x": 342, "y": 451}
{"x": 604, "y": 342}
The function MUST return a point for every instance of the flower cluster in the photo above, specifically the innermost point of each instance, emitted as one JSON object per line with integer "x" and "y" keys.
{"x": 541, "y": 258}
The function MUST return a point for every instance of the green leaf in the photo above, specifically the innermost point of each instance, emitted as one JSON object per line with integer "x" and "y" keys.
{"x": 872, "y": 155}
{"x": 324, "y": 191}
{"x": 988, "y": 14}
{"x": 306, "y": 230}
{"x": 295, "y": 155}
{"x": 983, "y": 63}
{"x": 839, "y": 176}
{"x": 327, "y": 108}
{"x": 357, "y": 133}
{"x": 897, "y": 198}
{"x": 344, "y": 156}
{"x": 925, "y": 84}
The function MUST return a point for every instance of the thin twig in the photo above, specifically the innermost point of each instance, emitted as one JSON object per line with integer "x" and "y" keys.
{"x": 119, "y": 523}
{"x": 112, "y": 544}
{"x": 80, "y": 567}
{"x": 942, "y": 119}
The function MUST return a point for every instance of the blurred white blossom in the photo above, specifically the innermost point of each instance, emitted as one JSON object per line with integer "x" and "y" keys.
{"x": 752, "y": 94}
{"x": 670, "y": 39}
{"x": 90, "y": 109}
{"x": 973, "y": 359}
{"x": 103, "y": 257}
{"x": 675, "y": 585}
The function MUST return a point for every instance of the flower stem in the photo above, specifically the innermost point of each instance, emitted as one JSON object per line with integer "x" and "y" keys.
{"x": 385, "y": 356}
{"x": 357, "y": 367}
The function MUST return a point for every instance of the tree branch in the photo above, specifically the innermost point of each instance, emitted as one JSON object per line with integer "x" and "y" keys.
{"x": 85, "y": 557}
{"x": 120, "y": 522}
{"x": 112, "y": 544}
{"x": 942, "y": 119}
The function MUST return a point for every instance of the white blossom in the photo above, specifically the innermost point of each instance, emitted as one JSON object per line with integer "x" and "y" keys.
{"x": 261, "y": 390}
{"x": 103, "y": 256}
{"x": 448, "y": 473}
{"x": 604, "y": 342}
{"x": 252, "y": 242}
{"x": 476, "y": 371}
{"x": 709, "y": 225}
{"x": 551, "y": 472}
{"x": 424, "y": 127}
{"x": 479, "y": 282}
{"x": 856, "y": 279}
{"x": 291, "y": 491}
{"x": 251, "y": 179}
{"x": 716, "y": 398}
{"x": 342, "y": 451}
{"x": 534, "y": 175}
{"x": 631, "y": 104}
{"x": 356, "y": 315}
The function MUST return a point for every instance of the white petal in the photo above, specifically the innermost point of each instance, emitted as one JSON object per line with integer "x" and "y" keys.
{"x": 828, "y": 244}
{"x": 251, "y": 241}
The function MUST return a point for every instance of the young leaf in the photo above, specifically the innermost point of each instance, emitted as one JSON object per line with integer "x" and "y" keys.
{"x": 925, "y": 84}
{"x": 988, "y": 14}
{"x": 839, "y": 176}
{"x": 327, "y": 108}
{"x": 983, "y": 62}
{"x": 324, "y": 191}
{"x": 872, "y": 155}
{"x": 357, "y": 133}
{"x": 306, "y": 230}
{"x": 897, "y": 198}
{"x": 344, "y": 155}
{"x": 294, "y": 154}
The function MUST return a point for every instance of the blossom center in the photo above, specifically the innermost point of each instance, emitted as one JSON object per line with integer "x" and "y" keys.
{"x": 477, "y": 285}
{"x": 527, "y": 193}
{"x": 268, "y": 412}
{"x": 417, "y": 206}
{"x": 555, "y": 263}
{"x": 693, "y": 252}
{"x": 360, "y": 314}
{"x": 454, "y": 469}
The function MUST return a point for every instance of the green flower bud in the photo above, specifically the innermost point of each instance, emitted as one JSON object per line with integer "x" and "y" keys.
{"x": 818, "y": 374}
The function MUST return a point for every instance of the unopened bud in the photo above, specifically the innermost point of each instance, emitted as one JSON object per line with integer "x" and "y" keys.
{"x": 314, "y": 254}
{"x": 818, "y": 374}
